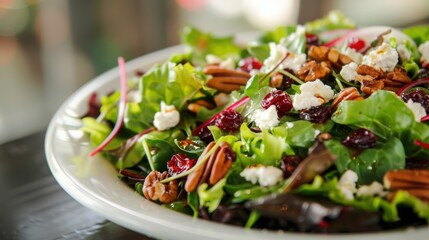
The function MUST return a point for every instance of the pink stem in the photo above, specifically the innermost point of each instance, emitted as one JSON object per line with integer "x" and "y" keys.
{"x": 421, "y": 144}
{"x": 121, "y": 109}
{"x": 337, "y": 40}
{"x": 425, "y": 118}
{"x": 412, "y": 84}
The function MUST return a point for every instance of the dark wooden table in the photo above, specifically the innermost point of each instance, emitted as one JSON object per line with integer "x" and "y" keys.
{"x": 34, "y": 206}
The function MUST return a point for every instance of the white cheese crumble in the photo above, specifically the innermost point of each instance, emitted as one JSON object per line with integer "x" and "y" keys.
{"x": 264, "y": 175}
{"x": 277, "y": 53}
{"x": 383, "y": 57}
{"x": 228, "y": 63}
{"x": 349, "y": 71}
{"x": 347, "y": 184}
{"x": 312, "y": 94}
{"x": 266, "y": 118}
{"x": 417, "y": 109}
{"x": 404, "y": 53}
{"x": 167, "y": 118}
{"x": 375, "y": 188}
{"x": 356, "y": 56}
{"x": 424, "y": 51}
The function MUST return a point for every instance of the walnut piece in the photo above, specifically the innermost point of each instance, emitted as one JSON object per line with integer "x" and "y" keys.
{"x": 335, "y": 57}
{"x": 313, "y": 70}
{"x": 154, "y": 190}
{"x": 371, "y": 86}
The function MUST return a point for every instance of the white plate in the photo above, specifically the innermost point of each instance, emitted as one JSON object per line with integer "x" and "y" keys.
{"x": 94, "y": 183}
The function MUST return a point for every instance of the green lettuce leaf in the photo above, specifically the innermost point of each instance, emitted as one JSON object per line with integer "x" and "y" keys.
{"x": 173, "y": 84}
{"x": 212, "y": 197}
{"x": 200, "y": 44}
{"x": 419, "y": 34}
{"x": 334, "y": 20}
{"x": 376, "y": 114}
{"x": 372, "y": 163}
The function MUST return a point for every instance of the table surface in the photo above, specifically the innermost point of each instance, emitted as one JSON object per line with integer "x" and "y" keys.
{"x": 34, "y": 206}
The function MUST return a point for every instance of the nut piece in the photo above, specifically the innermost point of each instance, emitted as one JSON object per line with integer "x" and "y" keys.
{"x": 313, "y": 70}
{"x": 415, "y": 182}
{"x": 226, "y": 80}
{"x": 335, "y": 57}
{"x": 349, "y": 93}
{"x": 198, "y": 105}
{"x": 370, "y": 71}
{"x": 214, "y": 169}
{"x": 370, "y": 87}
{"x": 154, "y": 190}
{"x": 396, "y": 79}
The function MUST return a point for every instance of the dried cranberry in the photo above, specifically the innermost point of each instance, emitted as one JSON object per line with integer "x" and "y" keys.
{"x": 356, "y": 43}
{"x": 414, "y": 163}
{"x": 229, "y": 120}
{"x": 319, "y": 114}
{"x": 250, "y": 63}
{"x": 361, "y": 138}
{"x": 179, "y": 163}
{"x": 311, "y": 40}
{"x": 93, "y": 106}
{"x": 289, "y": 164}
{"x": 204, "y": 134}
{"x": 417, "y": 95}
{"x": 280, "y": 100}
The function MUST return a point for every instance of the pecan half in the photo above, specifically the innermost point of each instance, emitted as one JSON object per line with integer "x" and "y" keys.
{"x": 214, "y": 169}
{"x": 396, "y": 79}
{"x": 198, "y": 105}
{"x": 370, "y": 87}
{"x": 313, "y": 70}
{"x": 154, "y": 190}
{"x": 366, "y": 70}
{"x": 415, "y": 182}
{"x": 226, "y": 80}
{"x": 335, "y": 57}
{"x": 349, "y": 93}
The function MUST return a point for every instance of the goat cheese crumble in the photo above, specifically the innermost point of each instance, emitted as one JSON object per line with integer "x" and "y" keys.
{"x": 264, "y": 175}
{"x": 417, "y": 109}
{"x": 404, "y": 53}
{"x": 277, "y": 53}
{"x": 347, "y": 184}
{"x": 424, "y": 51}
{"x": 383, "y": 57}
{"x": 312, "y": 94}
{"x": 167, "y": 118}
{"x": 349, "y": 71}
{"x": 266, "y": 118}
{"x": 356, "y": 56}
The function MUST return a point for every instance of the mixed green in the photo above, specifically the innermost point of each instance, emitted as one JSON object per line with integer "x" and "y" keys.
{"x": 307, "y": 128}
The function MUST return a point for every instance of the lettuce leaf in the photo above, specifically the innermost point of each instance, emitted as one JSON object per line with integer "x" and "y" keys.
{"x": 370, "y": 164}
{"x": 376, "y": 114}
{"x": 200, "y": 44}
{"x": 334, "y": 20}
{"x": 419, "y": 34}
{"x": 212, "y": 197}
{"x": 173, "y": 84}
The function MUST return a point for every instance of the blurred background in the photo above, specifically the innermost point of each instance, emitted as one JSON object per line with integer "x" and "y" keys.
{"x": 49, "y": 48}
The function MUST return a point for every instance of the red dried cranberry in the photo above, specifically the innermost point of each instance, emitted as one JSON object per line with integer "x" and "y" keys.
{"x": 250, "y": 63}
{"x": 414, "y": 163}
{"x": 93, "y": 106}
{"x": 311, "y": 40}
{"x": 204, "y": 134}
{"x": 417, "y": 95}
{"x": 361, "y": 138}
{"x": 229, "y": 120}
{"x": 319, "y": 114}
{"x": 356, "y": 43}
{"x": 289, "y": 164}
{"x": 179, "y": 163}
{"x": 280, "y": 100}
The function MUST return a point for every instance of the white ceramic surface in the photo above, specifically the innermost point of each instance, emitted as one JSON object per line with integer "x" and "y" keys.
{"x": 94, "y": 183}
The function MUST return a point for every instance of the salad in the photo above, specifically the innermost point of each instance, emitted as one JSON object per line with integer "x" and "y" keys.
{"x": 313, "y": 128}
